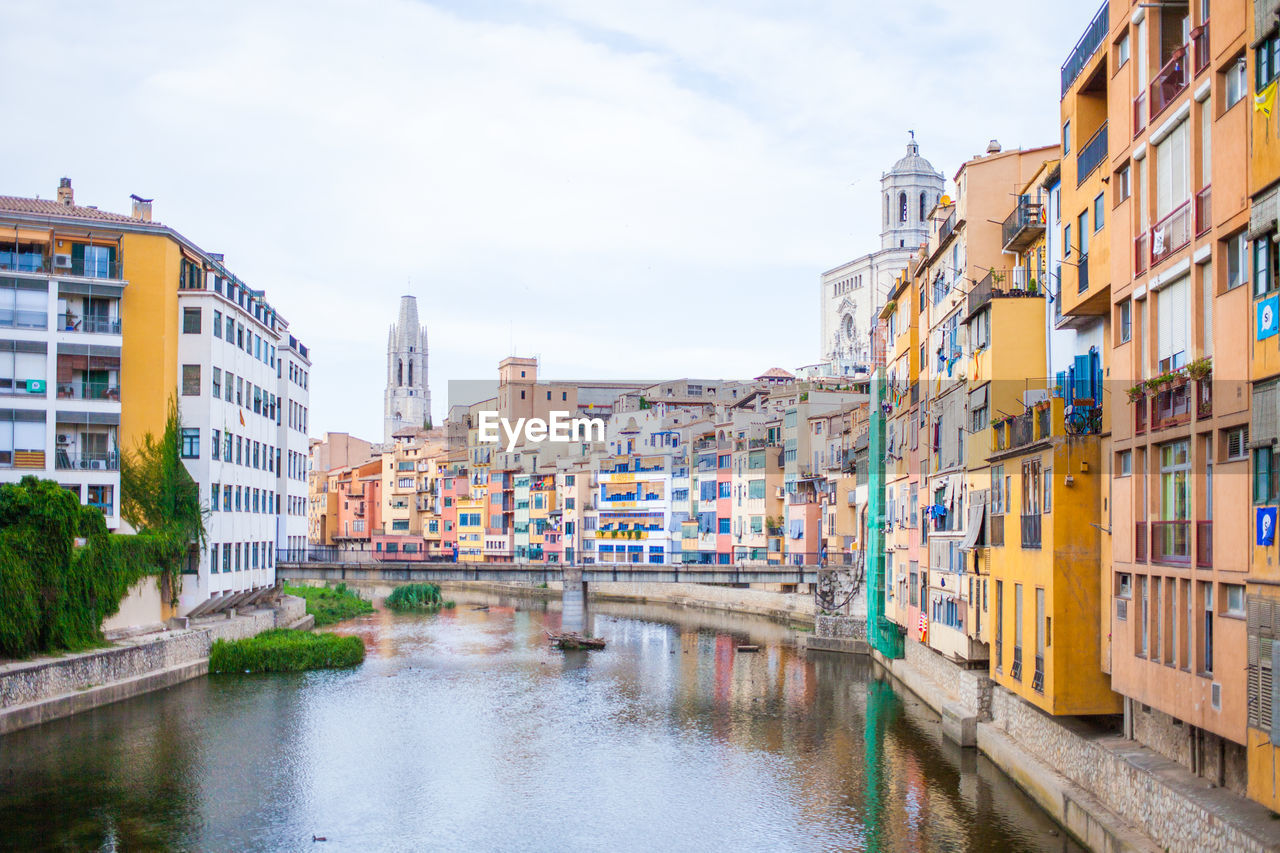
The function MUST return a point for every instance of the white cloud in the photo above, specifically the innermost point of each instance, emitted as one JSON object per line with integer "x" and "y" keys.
{"x": 626, "y": 189}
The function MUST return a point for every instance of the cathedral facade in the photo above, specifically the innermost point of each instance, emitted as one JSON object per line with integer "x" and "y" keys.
{"x": 853, "y": 293}
{"x": 407, "y": 400}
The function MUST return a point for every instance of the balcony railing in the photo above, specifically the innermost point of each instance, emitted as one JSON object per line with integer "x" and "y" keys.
{"x": 947, "y": 227}
{"x": 1082, "y": 272}
{"x": 1140, "y": 415}
{"x": 1140, "y": 542}
{"x": 1141, "y": 251}
{"x": 1171, "y": 82}
{"x": 1171, "y": 542}
{"x": 1139, "y": 113}
{"x": 1200, "y": 46}
{"x": 1172, "y": 407}
{"x": 1031, "y": 530}
{"x": 89, "y": 324}
{"x": 1084, "y": 50}
{"x": 1003, "y": 284}
{"x": 1171, "y": 233}
{"x": 64, "y": 266}
{"x": 1024, "y": 225}
{"x": 1204, "y": 210}
{"x": 1204, "y": 544}
{"x": 1091, "y": 154}
{"x": 66, "y": 461}
{"x": 1204, "y": 398}
{"x": 88, "y": 391}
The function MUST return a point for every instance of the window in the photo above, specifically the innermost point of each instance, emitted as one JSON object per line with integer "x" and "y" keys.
{"x": 726, "y": 489}
{"x": 231, "y": 330}
{"x": 216, "y": 383}
{"x": 1066, "y": 138}
{"x": 1265, "y": 265}
{"x": 1206, "y": 608}
{"x": 215, "y": 444}
{"x": 1237, "y": 268}
{"x": 217, "y": 324}
{"x": 1173, "y": 186}
{"x": 1144, "y": 617}
{"x": 1173, "y": 324}
{"x": 1097, "y": 213}
{"x": 190, "y": 380}
{"x": 1126, "y": 321}
{"x": 724, "y": 525}
{"x": 1234, "y": 594}
{"x": 1066, "y": 241}
{"x": 190, "y": 321}
{"x": 1122, "y": 50}
{"x": 1124, "y": 463}
{"x": 1266, "y": 487}
{"x": 1233, "y": 82}
{"x": 190, "y": 443}
{"x": 1266, "y": 64}
{"x": 1123, "y": 186}
{"x": 1237, "y": 443}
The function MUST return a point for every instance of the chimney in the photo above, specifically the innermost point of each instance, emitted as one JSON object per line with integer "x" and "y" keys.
{"x": 65, "y": 194}
{"x": 993, "y": 147}
{"x": 141, "y": 208}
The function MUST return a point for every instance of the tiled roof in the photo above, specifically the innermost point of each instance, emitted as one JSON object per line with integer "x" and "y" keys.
{"x": 775, "y": 373}
{"x": 49, "y": 207}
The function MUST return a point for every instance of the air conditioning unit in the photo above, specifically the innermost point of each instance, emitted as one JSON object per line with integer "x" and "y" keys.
{"x": 63, "y": 438}
{"x": 62, "y": 262}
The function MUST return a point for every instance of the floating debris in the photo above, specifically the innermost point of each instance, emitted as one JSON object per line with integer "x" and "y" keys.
{"x": 574, "y": 640}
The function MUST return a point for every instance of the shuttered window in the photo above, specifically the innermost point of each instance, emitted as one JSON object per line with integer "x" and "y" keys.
{"x": 1265, "y": 426}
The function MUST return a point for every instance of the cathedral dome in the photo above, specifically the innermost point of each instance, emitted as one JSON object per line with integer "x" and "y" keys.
{"x": 913, "y": 163}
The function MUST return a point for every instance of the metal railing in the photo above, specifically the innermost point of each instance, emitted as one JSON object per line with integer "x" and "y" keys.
{"x": 1170, "y": 82}
{"x": 1141, "y": 251}
{"x": 67, "y": 461}
{"x": 1139, "y": 113}
{"x": 1200, "y": 46}
{"x": 1204, "y": 398}
{"x": 64, "y": 265}
{"x": 1204, "y": 544}
{"x": 1140, "y": 415}
{"x": 1085, "y": 48}
{"x": 88, "y": 323}
{"x": 1001, "y": 284}
{"x": 1091, "y": 154}
{"x": 1172, "y": 407}
{"x": 1171, "y": 542}
{"x": 88, "y": 391}
{"x": 1031, "y": 530}
{"x": 1140, "y": 542}
{"x": 1204, "y": 210}
{"x": 1023, "y": 225}
{"x": 947, "y": 227}
{"x": 1171, "y": 233}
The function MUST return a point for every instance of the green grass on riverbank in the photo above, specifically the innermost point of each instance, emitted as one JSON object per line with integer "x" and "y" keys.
{"x": 417, "y": 596}
{"x": 283, "y": 650}
{"x": 331, "y": 605}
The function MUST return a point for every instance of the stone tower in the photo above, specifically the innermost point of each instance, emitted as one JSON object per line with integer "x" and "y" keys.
{"x": 407, "y": 402}
{"x": 909, "y": 191}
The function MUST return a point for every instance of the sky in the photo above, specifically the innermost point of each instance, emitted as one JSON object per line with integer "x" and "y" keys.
{"x": 625, "y": 190}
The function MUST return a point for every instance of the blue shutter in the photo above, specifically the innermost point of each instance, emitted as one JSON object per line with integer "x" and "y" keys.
{"x": 1083, "y": 375}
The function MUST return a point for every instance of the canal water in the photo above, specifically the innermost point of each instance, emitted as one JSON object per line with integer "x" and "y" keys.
{"x": 463, "y": 731}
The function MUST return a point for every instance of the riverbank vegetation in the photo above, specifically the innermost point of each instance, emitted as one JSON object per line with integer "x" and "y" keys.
{"x": 417, "y": 596}
{"x": 330, "y": 605}
{"x": 285, "y": 650}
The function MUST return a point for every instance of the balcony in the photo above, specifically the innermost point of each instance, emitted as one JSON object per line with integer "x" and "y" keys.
{"x": 1171, "y": 233}
{"x": 1002, "y": 284}
{"x": 1139, "y": 114}
{"x": 947, "y": 227}
{"x": 90, "y": 324}
{"x": 1022, "y": 227}
{"x": 1172, "y": 406}
{"x": 1140, "y": 415}
{"x": 88, "y": 390}
{"x": 1204, "y": 544}
{"x": 1200, "y": 46}
{"x": 1140, "y": 542}
{"x": 1171, "y": 82}
{"x": 1171, "y": 543}
{"x": 1204, "y": 398}
{"x": 1091, "y": 155}
{"x": 1204, "y": 210}
{"x": 71, "y": 461}
{"x": 64, "y": 265}
{"x": 1141, "y": 245}
{"x": 1084, "y": 50}
{"x": 1031, "y": 530}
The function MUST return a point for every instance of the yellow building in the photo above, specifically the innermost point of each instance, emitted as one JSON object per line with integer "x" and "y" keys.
{"x": 1044, "y": 590}
{"x": 471, "y": 523}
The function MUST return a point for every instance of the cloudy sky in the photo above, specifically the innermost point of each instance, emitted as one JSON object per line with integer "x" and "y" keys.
{"x": 623, "y": 189}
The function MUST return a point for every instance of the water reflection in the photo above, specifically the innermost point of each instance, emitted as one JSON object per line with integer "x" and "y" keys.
{"x": 464, "y": 731}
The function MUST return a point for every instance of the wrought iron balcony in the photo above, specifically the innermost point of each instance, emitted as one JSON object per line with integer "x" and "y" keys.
{"x": 1002, "y": 284}
{"x": 1022, "y": 227}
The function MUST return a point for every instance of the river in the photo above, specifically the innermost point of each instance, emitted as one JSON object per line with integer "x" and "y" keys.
{"x": 463, "y": 731}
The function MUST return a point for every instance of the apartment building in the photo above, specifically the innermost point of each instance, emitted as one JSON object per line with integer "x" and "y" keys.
{"x": 905, "y": 575}
{"x": 1154, "y": 214}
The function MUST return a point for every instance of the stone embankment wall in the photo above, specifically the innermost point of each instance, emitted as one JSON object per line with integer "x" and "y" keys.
{"x": 785, "y": 606}
{"x": 1111, "y": 793}
{"x": 42, "y": 689}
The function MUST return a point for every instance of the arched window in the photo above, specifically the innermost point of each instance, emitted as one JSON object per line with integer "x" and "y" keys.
{"x": 902, "y": 207}
{"x": 399, "y": 372}
{"x": 886, "y": 209}
{"x": 923, "y": 211}
{"x": 411, "y": 373}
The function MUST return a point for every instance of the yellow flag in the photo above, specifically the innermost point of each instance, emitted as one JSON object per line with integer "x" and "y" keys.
{"x": 1265, "y": 101}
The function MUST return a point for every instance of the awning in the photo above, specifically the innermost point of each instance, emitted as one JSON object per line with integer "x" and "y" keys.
{"x": 977, "y": 513}
{"x": 978, "y": 399}
{"x": 953, "y": 490}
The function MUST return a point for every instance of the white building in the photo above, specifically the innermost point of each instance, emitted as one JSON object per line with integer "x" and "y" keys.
{"x": 236, "y": 357}
{"x": 852, "y": 294}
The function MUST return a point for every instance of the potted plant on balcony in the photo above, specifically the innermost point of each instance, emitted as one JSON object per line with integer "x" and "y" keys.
{"x": 1200, "y": 368}
{"x": 1137, "y": 392}
{"x": 1033, "y": 287}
